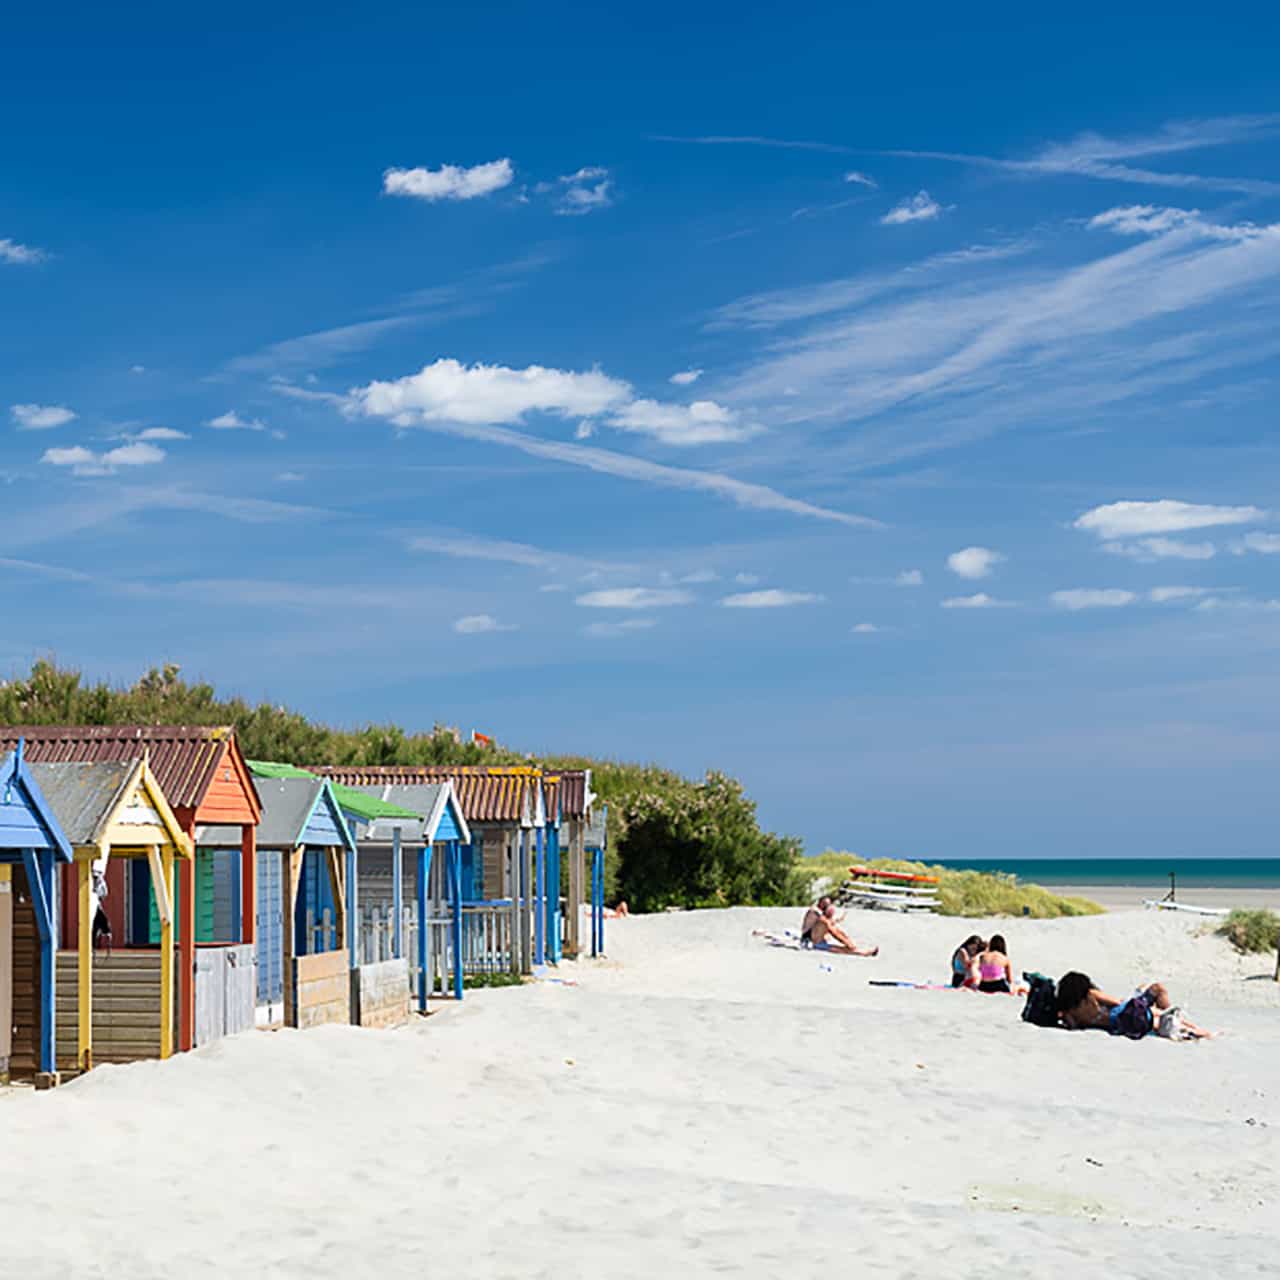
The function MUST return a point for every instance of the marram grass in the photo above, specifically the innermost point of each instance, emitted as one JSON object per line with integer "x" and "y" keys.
{"x": 1251, "y": 932}
{"x": 961, "y": 893}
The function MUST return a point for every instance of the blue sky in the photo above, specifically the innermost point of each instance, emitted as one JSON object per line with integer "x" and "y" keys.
{"x": 881, "y": 408}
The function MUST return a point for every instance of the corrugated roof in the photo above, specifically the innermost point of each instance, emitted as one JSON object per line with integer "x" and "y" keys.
{"x": 364, "y": 804}
{"x": 81, "y": 795}
{"x": 286, "y": 806}
{"x": 485, "y": 794}
{"x": 183, "y": 758}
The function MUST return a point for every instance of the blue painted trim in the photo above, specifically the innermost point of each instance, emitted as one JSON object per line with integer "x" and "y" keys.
{"x": 540, "y": 899}
{"x": 40, "y": 882}
{"x": 455, "y": 863}
{"x": 18, "y": 774}
{"x": 337, "y": 815}
{"x": 397, "y": 895}
{"x": 424, "y": 869}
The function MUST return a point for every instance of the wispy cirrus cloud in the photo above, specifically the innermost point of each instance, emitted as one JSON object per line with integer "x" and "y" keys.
{"x": 1152, "y": 549}
{"x": 1091, "y": 155}
{"x": 754, "y": 140}
{"x": 979, "y": 601}
{"x": 479, "y": 624}
{"x": 449, "y": 182}
{"x": 1267, "y": 544}
{"x": 585, "y": 191}
{"x": 861, "y": 179}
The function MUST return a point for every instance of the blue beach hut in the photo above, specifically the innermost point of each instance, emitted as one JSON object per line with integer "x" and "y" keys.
{"x": 31, "y": 845}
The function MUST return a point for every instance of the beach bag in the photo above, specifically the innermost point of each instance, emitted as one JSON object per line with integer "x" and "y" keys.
{"x": 1133, "y": 1018}
{"x": 1041, "y": 1008}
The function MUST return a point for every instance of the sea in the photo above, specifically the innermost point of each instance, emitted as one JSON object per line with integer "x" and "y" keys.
{"x": 1191, "y": 873}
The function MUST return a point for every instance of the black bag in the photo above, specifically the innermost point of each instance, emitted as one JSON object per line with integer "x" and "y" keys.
{"x": 1041, "y": 1009}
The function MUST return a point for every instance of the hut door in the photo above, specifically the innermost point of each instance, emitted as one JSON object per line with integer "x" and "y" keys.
{"x": 269, "y": 933}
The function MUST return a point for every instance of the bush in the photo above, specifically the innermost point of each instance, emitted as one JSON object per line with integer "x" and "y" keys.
{"x": 962, "y": 893}
{"x": 1251, "y": 932}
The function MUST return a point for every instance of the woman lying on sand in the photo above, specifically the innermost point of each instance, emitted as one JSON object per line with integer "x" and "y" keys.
{"x": 1081, "y": 1007}
{"x": 821, "y": 931}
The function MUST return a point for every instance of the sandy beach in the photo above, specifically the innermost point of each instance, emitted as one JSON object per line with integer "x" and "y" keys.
{"x": 697, "y": 1102}
{"x": 1130, "y": 897}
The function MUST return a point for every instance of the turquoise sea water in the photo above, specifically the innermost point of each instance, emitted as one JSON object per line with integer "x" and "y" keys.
{"x": 1192, "y": 873}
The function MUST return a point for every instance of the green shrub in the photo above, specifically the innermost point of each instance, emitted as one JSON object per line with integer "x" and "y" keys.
{"x": 961, "y": 893}
{"x": 1251, "y": 932}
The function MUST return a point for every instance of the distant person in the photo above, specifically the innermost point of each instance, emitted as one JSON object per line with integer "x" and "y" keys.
{"x": 962, "y": 959}
{"x": 1082, "y": 1007}
{"x": 821, "y": 931}
{"x": 990, "y": 969}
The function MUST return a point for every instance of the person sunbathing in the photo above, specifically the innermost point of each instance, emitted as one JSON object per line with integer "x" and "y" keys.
{"x": 1082, "y": 1007}
{"x": 990, "y": 970}
{"x": 821, "y": 931}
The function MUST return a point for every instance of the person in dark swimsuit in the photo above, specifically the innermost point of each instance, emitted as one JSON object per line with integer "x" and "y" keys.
{"x": 962, "y": 959}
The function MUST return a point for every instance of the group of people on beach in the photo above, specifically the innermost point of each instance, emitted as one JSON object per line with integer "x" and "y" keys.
{"x": 984, "y": 965}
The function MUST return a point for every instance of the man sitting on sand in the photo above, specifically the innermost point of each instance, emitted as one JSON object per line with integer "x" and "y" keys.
{"x": 821, "y": 931}
{"x": 1081, "y": 1006}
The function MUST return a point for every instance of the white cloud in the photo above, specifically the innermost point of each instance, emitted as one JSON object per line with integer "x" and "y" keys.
{"x": 463, "y": 546}
{"x": 481, "y": 394}
{"x": 20, "y": 255}
{"x": 290, "y": 477}
{"x": 921, "y": 207}
{"x": 635, "y": 598}
{"x": 435, "y": 397}
{"x": 475, "y": 624}
{"x": 861, "y": 179}
{"x": 685, "y": 378}
{"x": 1093, "y": 156}
{"x": 746, "y": 579}
{"x": 1150, "y": 549}
{"x": 84, "y": 462}
{"x": 449, "y": 182}
{"x": 162, "y": 433}
{"x": 626, "y": 626}
{"x": 1092, "y": 598}
{"x": 979, "y": 601}
{"x": 702, "y": 422}
{"x": 1171, "y": 595}
{"x": 1157, "y": 220}
{"x": 40, "y": 417}
{"x": 585, "y": 191}
{"x": 864, "y": 628}
{"x": 1165, "y": 515}
{"x": 771, "y": 598}
{"x": 974, "y": 562}
{"x": 909, "y": 578}
{"x": 232, "y": 421}
{"x": 1267, "y": 544}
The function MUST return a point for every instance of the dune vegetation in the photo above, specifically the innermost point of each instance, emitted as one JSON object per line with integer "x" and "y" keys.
{"x": 960, "y": 893}
{"x": 1251, "y": 932}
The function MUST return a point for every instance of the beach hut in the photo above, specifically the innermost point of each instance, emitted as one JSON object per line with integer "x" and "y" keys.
{"x": 504, "y": 809}
{"x": 576, "y": 803}
{"x": 31, "y": 845}
{"x": 202, "y": 773}
{"x": 114, "y": 1005}
{"x": 305, "y": 862}
{"x": 448, "y": 931}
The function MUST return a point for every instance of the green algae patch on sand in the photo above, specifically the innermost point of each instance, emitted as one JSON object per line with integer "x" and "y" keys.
{"x": 962, "y": 893}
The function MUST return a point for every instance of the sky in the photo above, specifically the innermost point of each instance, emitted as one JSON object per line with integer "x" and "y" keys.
{"x": 877, "y": 406}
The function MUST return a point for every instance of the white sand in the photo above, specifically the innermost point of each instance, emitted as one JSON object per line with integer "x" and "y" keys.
{"x": 699, "y": 1104}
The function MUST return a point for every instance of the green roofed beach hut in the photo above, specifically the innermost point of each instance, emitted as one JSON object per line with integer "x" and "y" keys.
{"x": 305, "y": 868}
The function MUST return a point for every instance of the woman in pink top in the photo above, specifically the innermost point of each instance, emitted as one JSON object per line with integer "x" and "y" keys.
{"x": 991, "y": 970}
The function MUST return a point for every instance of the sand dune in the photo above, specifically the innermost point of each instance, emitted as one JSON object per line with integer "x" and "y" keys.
{"x": 698, "y": 1102}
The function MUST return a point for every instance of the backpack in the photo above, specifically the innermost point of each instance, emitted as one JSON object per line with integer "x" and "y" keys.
{"x": 1041, "y": 1009}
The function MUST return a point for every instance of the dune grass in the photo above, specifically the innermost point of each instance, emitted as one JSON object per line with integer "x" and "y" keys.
{"x": 961, "y": 893}
{"x": 1251, "y": 932}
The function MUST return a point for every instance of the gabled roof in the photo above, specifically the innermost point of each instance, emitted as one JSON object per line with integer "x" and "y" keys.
{"x": 288, "y": 805}
{"x": 27, "y": 820}
{"x": 427, "y": 799}
{"x": 92, "y": 798}
{"x": 485, "y": 793}
{"x": 183, "y": 758}
{"x": 353, "y": 800}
